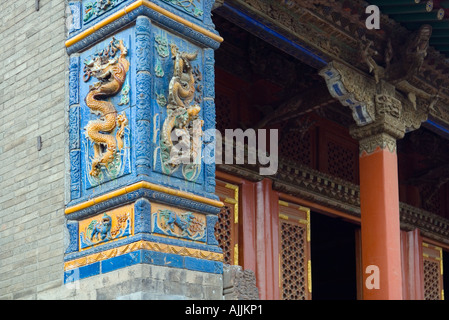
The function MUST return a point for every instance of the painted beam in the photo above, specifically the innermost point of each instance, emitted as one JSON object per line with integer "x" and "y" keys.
{"x": 435, "y": 15}
{"x": 444, "y": 4}
{"x": 435, "y": 24}
{"x": 440, "y": 33}
{"x": 395, "y": 2}
{"x": 437, "y": 42}
{"x": 273, "y": 36}
{"x": 419, "y": 8}
{"x": 443, "y": 48}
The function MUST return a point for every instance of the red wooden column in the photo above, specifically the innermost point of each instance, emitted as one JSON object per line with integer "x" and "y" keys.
{"x": 380, "y": 225}
{"x": 267, "y": 240}
{"x": 412, "y": 262}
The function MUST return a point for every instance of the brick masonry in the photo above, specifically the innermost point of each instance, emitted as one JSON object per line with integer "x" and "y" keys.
{"x": 32, "y": 103}
{"x": 143, "y": 282}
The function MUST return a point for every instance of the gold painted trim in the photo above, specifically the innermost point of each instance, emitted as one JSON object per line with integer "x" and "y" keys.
{"x": 230, "y": 200}
{"x": 134, "y": 6}
{"x": 283, "y": 216}
{"x": 236, "y": 254}
{"x": 283, "y": 203}
{"x": 280, "y": 274}
{"x": 234, "y": 201}
{"x": 139, "y": 245}
{"x": 441, "y": 268}
{"x": 307, "y": 222}
{"x": 309, "y": 275}
{"x": 231, "y": 186}
{"x": 441, "y": 258}
{"x": 309, "y": 262}
{"x": 143, "y": 185}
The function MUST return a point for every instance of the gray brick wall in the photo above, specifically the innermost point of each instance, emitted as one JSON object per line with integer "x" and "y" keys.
{"x": 32, "y": 103}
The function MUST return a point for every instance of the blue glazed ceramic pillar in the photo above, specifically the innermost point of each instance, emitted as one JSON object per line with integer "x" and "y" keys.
{"x": 141, "y": 117}
{"x": 143, "y": 83}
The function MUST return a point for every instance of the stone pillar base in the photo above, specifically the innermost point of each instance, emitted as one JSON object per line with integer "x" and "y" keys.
{"x": 143, "y": 282}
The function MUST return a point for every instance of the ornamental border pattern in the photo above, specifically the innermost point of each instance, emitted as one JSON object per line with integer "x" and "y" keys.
{"x": 150, "y": 195}
{"x": 142, "y": 245}
{"x": 74, "y": 45}
{"x": 143, "y": 96}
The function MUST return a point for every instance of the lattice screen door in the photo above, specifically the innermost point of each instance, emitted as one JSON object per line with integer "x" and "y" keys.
{"x": 226, "y": 229}
{"x": 433, "y": 272}
{"x": 295, "y": 274}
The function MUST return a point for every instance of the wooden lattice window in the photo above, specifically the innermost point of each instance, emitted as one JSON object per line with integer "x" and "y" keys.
{"x": 341, "y": 161}
{"x": 223, "y": 104}
{"x": 226, "y": 229}
{"x": 338, "y": 155}
{"x": 433, "y": 272}
{"x": 294, "y": 252}
{"x": 431, "y": 199}
{"x": 297, "y": 149}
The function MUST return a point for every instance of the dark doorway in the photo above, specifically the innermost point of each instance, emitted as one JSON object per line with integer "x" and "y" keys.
{"x": 333, "y": 253}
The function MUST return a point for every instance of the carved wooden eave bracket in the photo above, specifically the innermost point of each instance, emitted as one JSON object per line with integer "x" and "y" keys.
{"x": 353, "y": 89}
{"x": 335, "y": 31}
{"x": 381, "y": 113}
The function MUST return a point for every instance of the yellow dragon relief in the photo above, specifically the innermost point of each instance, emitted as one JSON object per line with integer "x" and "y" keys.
{"x": 111, "y": 72}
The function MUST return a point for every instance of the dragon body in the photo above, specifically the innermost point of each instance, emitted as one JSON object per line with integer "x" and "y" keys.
{"x": 180, "y": 112}
{"x": 111, "y": 74}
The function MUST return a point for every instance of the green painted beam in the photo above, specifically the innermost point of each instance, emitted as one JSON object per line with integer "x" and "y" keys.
{"x": 439, "y": 41}
{"x": 442, "y": 48}
{"x": 440, "y": 33}
{"x": 436, "y": 25}
{"x": 444, "y": 4}
{"x": 420, "y": 8}
{"x": 435, "y": 15}
{"x": 394, "y": 2}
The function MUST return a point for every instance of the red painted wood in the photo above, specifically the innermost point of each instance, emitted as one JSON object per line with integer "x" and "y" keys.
{"x": 380, "y": 226}
{"x": 247, "y": 226}
{"x": 412, "y": 263}
{"x": 267, "y": 244}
